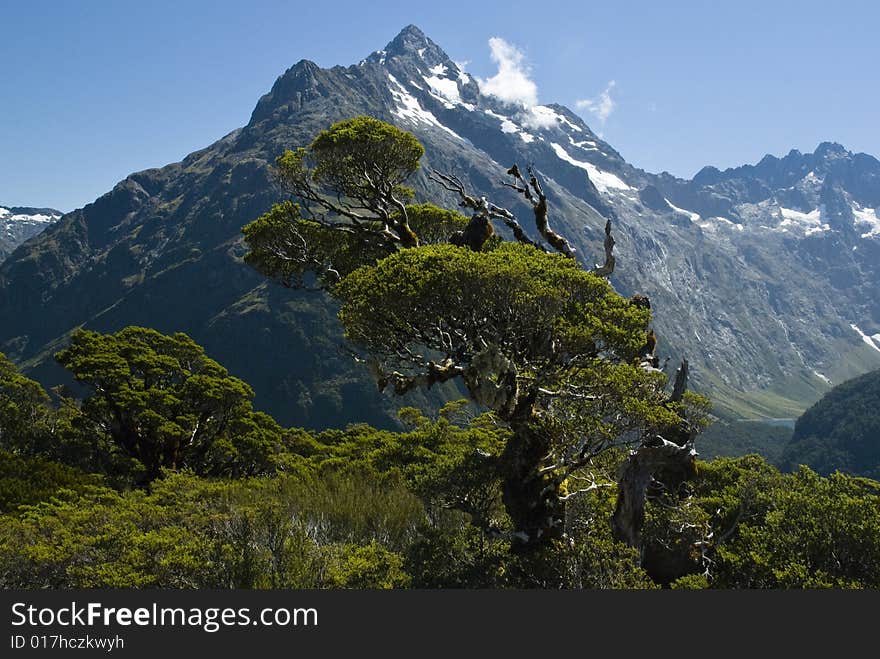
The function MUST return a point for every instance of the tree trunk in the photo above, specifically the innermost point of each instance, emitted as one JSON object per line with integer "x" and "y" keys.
{"x": 531, "y": 499}
{"x": 670, "y": 462}
{"x": 637, "y": 474}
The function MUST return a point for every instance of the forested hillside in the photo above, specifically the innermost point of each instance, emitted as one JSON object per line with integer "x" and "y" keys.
{"x": 367, "y": 508}
{"x": 841, "y": 432}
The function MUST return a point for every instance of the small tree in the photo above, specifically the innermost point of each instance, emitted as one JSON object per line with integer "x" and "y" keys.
{"x": 164, "y": 404}
{"x": 550, "y": 348}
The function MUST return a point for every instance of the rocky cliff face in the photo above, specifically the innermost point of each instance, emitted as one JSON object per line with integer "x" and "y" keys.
{"x": 764, "y": 276}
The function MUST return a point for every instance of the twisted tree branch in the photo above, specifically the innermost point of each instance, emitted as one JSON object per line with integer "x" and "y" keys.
{"x": 534, "y": 194}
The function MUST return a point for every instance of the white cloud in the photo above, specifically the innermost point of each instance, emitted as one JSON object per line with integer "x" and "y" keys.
{"x": 540, "y": 117}
{"x": 512, "y": 83}
{"x": 600, "y": 106}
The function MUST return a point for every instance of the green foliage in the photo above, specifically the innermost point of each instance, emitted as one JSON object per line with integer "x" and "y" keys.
{"x": 774, "y": 530}
{"x": 350, "y": 153}
{"x": 819, "y": 533}
{"x": 841, "y": 431}
{"x": 349, "y": 181}
{"x": 434, "y": 225}
{"x": 592, "y": 558}
{"x": 288, "y": 249}
{"x": 353, "y": 206}
{"x": 293, "y": 250}
{"x": 597, "y": 562}
{"x": 161, "y": 403}
{"x": 448, "y": 467}
{"x": 521, "y": 296}
{"x": 690, "y": 582}
{"x": 677, "y": 537}
{"x": 28, "y": 481}
{"x": 368, "y": 567}
{"x": 455, "y": 554}
{"x": 365, "y": 508}
{"x": 287, "y": 532}
{"x": 31, "y": 427}
{"x": 551, "y": 349}
{"x": 25, "y": 414}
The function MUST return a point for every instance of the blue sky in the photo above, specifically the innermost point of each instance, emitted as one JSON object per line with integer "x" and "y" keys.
{"x": 93, "y": 90}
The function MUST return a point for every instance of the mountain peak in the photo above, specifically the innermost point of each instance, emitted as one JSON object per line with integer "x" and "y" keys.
{"x": 410, "y": 43}
{"x": 409, "y": 40}
{"x": 831, "y": 149}
{"x": 411, "y": 32}
{"x": 299, "y": 84}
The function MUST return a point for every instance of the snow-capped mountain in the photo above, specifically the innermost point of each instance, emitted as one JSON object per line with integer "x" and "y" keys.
{"x": 17, "y": 224}
{"x": 763, "y": 276}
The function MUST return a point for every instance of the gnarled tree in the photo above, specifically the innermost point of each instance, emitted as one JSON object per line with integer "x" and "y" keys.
{"x": 548, "y": 346}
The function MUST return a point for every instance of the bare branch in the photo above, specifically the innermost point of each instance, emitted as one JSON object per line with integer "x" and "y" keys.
{"x": 608, "y": 267}
{"x": 681, "y": 379}
{"x": 583, "y": 490}
{"x": 534, "y": 194}
{"x": 484, "y": 208}
{"x": 403, "y": 383}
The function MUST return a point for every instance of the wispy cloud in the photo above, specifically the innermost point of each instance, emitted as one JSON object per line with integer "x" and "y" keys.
{"x": 512, "y": 83}
{"x": 600, "y": 106}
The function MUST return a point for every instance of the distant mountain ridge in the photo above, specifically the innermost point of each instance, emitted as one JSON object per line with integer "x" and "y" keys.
{"x": 18, "y": 223}
{"x": 764, "y": 276}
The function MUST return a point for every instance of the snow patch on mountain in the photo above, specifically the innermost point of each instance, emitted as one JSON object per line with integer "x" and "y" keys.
{"x": 604, "y": 181}
{"x": 867, "y": 217}
{"x": 510, "y": 128}
{"x": 408, "y": 107}
{"x": 11, "y": 219}
{"x": 507, "y": 126}
{"x": 19, "y": 224}
{"x": 873, "y": 341}
{"x": 36, "y": 218}
{"x": 585, "y": 145}
{"x": 447, "y": 88}
{"x": 811, "y": 223}
{"x": 695, "y": 217}
{"x": 541, "y": 116}
{"x": 716, "y": 222}
{"x": 791, "y": 216}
